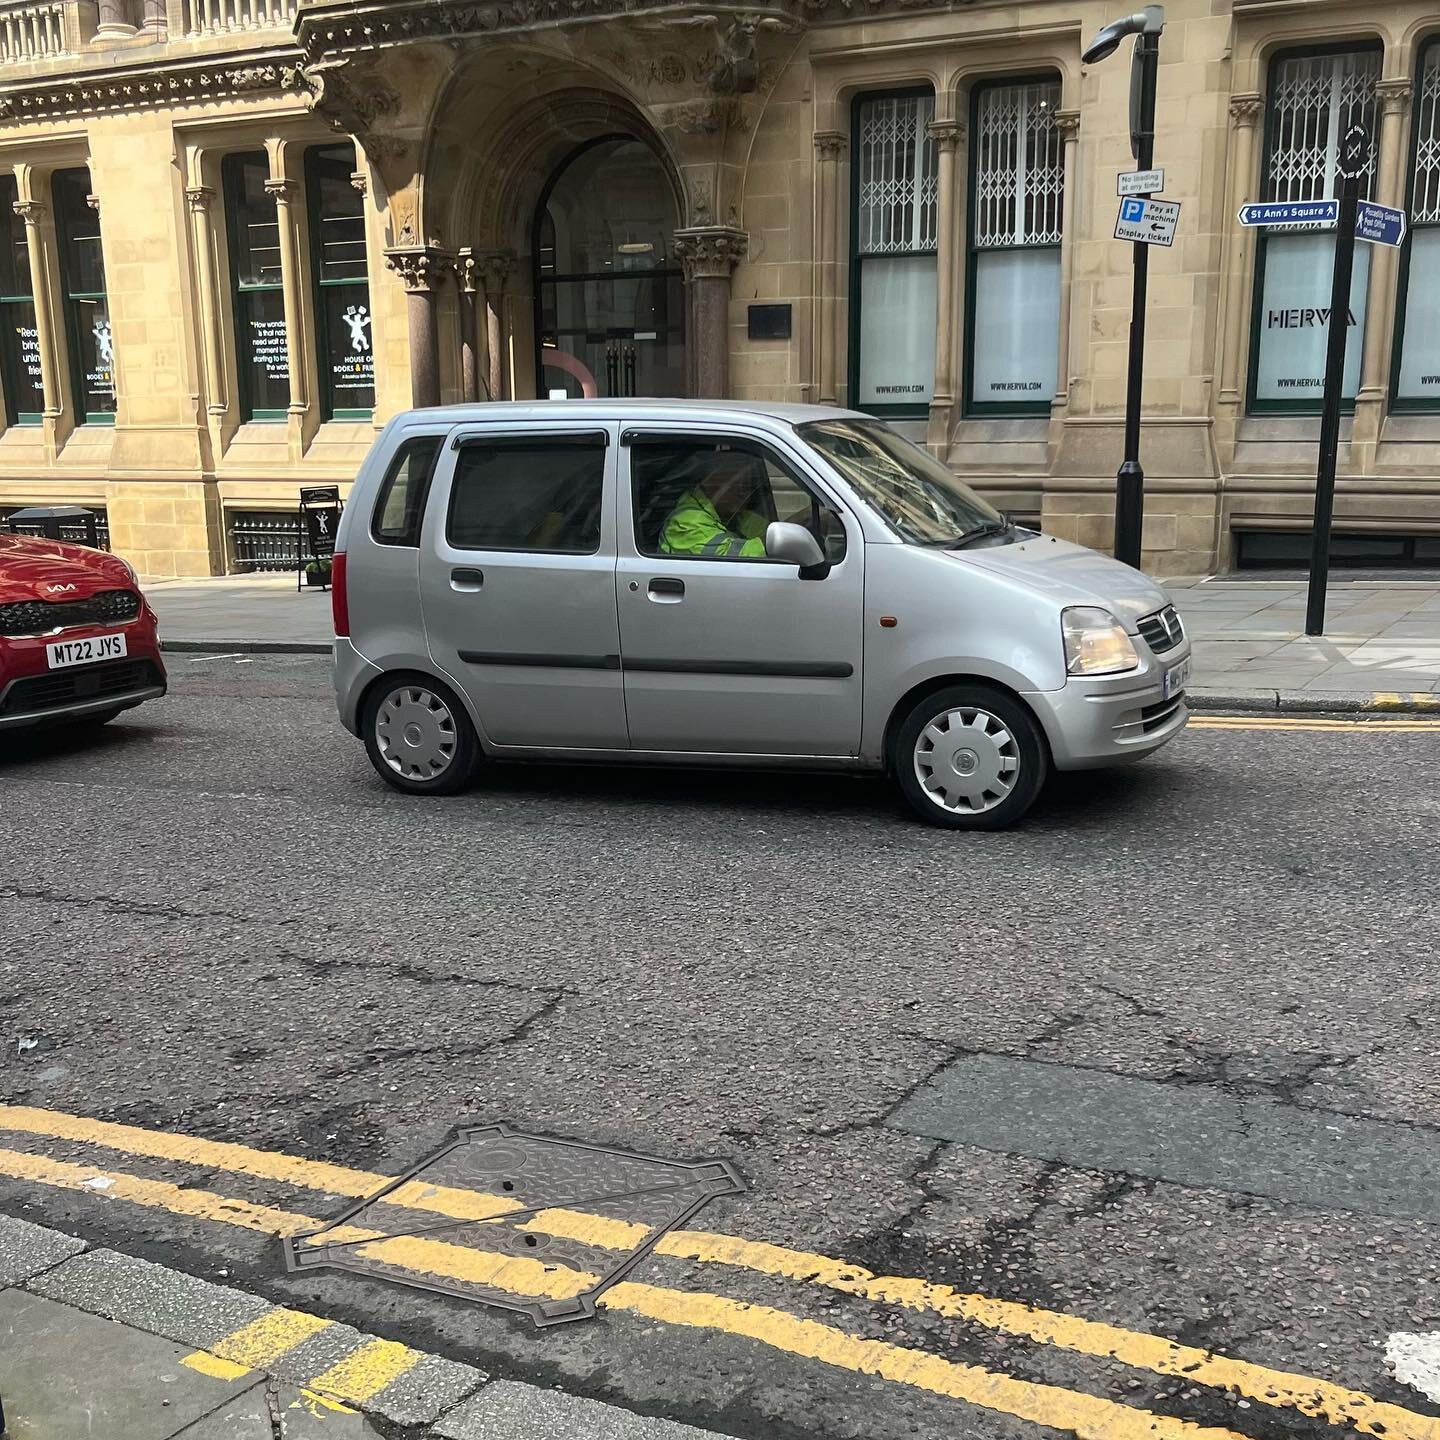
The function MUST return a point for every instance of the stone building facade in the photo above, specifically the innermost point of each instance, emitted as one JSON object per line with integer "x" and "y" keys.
{"x": 240, "y": 235}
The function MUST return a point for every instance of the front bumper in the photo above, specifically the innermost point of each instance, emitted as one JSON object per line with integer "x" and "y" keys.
{"x": 1113, "y": 719}
{"x": 62, "y": 695}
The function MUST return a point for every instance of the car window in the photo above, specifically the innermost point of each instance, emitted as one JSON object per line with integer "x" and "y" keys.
{"x": 921, "y": 500}
{"x": 712, "y": 497}
{"x": 401, "y": 503}
{"x": 541, "y": 493}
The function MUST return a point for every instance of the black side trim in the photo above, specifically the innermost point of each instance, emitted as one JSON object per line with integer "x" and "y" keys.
{"x": 794, "y": 669}
{"x": 555, "y": 662}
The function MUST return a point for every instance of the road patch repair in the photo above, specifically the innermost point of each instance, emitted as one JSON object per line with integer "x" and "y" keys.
{"x": 313, "y": 1363}
{"x": 632, "y": 1201}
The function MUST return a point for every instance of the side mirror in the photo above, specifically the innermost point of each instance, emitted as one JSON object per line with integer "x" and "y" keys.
{"x": 784, "y": 541}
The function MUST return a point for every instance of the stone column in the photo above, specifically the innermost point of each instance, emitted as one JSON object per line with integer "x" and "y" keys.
{"x": 421, "y": 269}
{"x": 284, "y": 193}
{"x": 709, "y": 254}
{"x": 115, "y": 20}
{"x": 829, "y": 151}
{"x": 466, "y": 274}
{"x": 1381, "y": 300}
{"x": 948, "y": 135}
{"x": 32, "y": 212}
{"x": 494, "y": 271}
{"x": 1067, "y": 122}
{"x": 199, "y": 199}
{"x": 1244, "y": 112}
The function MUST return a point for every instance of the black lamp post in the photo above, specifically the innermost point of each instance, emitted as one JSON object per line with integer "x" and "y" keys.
{"x": 1146, "y": 26}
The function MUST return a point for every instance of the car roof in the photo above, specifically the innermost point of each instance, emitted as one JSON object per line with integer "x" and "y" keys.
{"x": 631, "y": 410}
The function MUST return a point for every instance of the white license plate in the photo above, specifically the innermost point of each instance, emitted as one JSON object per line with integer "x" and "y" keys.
{"x": 1176, "y": 678}
{"x": 64, "y": 653}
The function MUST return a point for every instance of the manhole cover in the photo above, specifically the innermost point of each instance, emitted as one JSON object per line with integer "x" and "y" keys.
{"x": 525, "y": 1222}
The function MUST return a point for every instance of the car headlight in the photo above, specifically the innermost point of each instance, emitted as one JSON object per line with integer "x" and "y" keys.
{"x": 1096, "y": 642}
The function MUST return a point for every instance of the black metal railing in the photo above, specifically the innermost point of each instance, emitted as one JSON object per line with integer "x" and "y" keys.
{"x": 263, "y": 539}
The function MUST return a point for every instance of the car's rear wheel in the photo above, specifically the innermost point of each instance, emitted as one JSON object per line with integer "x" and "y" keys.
{"x": 418, "y": 736}
{"x": 970, "y": 757}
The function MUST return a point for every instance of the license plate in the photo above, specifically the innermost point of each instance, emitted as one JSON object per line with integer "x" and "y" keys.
{"x": 64, "y": 653}
{"x": 1176, "y": 678}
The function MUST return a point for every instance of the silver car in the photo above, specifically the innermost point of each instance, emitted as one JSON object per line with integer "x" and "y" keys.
{"x": 724, "y": 584}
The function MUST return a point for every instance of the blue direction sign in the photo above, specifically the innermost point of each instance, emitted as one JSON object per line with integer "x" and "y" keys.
{"x": 1291, "y": 212}
{"x": 1379, "y": 224}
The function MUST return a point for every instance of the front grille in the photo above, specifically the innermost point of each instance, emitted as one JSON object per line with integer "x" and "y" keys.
{"x": 75, "y": 687}
{"x": 40, "y": 617}
{"x": 1154, "y": 717}
{"x": 1162, "y": 631}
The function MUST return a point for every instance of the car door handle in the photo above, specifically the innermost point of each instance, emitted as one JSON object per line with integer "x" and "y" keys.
{"x": 466, "y": 578}
{"x": 667, "y": 591}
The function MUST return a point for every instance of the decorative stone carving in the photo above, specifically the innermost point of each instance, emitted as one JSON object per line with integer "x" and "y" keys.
{"x": 710, "y": 251}
{"x": 281, "y": 191}
{"x": 704, "y": 117}
{"x": 1067, "y": 124}
{"x": 198, "y": 198}
{"x": 495, "y": 267}
{"x": 121, "y": 90}
{"x": 420, "y": 269}
{"x": 1245, "y": 109}
{"x": 32, "y": 212}
{"x": 360, "y": 179}
{"x": 947, "y": 134}
{"x": 93, "y": 201}
{"x": 348, "y": 102}
{"x": 467, "y": 270}
{"x": 1395, "y": 93}
{"x": 830, "y": 144}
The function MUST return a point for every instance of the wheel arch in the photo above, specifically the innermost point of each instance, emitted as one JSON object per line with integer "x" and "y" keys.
{"x": 936, "y": 683}
{"x": 433, "y": 677}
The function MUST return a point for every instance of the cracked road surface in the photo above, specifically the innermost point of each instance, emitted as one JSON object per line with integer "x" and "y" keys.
{"x": 216, "y": 924}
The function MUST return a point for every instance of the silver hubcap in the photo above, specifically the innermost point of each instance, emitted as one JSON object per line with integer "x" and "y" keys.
{"x": 416, "y": 733}
{"x": 967, "y": 761}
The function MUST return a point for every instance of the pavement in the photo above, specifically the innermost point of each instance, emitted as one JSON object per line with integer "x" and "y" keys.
{"x": 1120, "y": 1124}
{"x": 1381, "y": 649}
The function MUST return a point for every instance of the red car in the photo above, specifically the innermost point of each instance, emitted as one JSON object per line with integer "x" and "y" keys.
{"x": 77, "y": 639}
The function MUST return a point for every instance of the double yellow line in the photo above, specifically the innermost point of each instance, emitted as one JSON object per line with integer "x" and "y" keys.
{"x": 1069, "y": 1411}
{"x": 1313, "y": 723}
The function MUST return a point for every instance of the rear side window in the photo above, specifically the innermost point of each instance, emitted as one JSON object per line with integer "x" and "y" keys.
{"x": 400, "y": 506}
{"x": 532, "y": 493}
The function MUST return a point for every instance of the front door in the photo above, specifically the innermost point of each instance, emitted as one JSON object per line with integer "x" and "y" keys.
{"x": 725, "y": 651}
{"x": 518, "y": 583}
{"x": 609, "y": 292}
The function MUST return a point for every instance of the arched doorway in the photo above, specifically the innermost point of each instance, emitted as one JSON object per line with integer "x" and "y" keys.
{"x": 609, "y": 291}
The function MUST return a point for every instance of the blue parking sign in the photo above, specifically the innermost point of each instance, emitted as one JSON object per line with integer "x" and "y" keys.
{"x": 1132, "y": 210}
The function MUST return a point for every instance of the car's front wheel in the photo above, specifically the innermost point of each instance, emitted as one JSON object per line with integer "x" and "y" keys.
{"x": 418, "y": 736}
{"x": 970, "y": 757}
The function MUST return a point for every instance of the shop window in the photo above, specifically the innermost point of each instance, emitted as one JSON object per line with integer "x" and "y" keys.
{"x": 19, "y": 348}
{"x": 892, "y": 273}
{"x": 342, "y": 285}
{"x": 1290, "y": 550}
{"x": 1314, "y": 100}
{"x": 1017, "y": 202}
{"x": 1416, "y": 368}
{"x": 82, "y": 284}
{"x": 259, "y": 296}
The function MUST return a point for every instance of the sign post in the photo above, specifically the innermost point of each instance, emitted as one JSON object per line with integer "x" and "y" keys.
{"x": 1144, "y": 229}
{"x": 1354, "y": 161}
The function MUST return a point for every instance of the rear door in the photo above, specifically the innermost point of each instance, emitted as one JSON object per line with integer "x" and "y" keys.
{"x": 518, "y": 583}
{"x": 730, "y": 655}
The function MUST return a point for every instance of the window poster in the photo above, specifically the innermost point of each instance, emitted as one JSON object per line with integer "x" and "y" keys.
{"x": 1016, "y": 326}
{"x": 350, "y": 350}
{"x": 897, "y": 331}
{"x": 1294, "y": 318}
{"x": 25, "y": 391}
{"x": 1419, "y": 377}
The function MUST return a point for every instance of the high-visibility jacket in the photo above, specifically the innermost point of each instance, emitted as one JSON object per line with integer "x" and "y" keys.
{"x": 695, "y": 528}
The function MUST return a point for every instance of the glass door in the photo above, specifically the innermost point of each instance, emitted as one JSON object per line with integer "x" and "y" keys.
{"x": 610, "y": 294}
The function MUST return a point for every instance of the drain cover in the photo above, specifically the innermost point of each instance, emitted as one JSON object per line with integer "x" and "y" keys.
{"x": 526, "y": 1222}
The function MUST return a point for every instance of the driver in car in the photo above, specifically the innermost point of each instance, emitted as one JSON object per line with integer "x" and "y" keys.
{"x": 695, "y": 526}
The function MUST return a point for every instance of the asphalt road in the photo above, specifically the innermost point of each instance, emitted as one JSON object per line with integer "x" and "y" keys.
{"x": 215, "y": 921}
